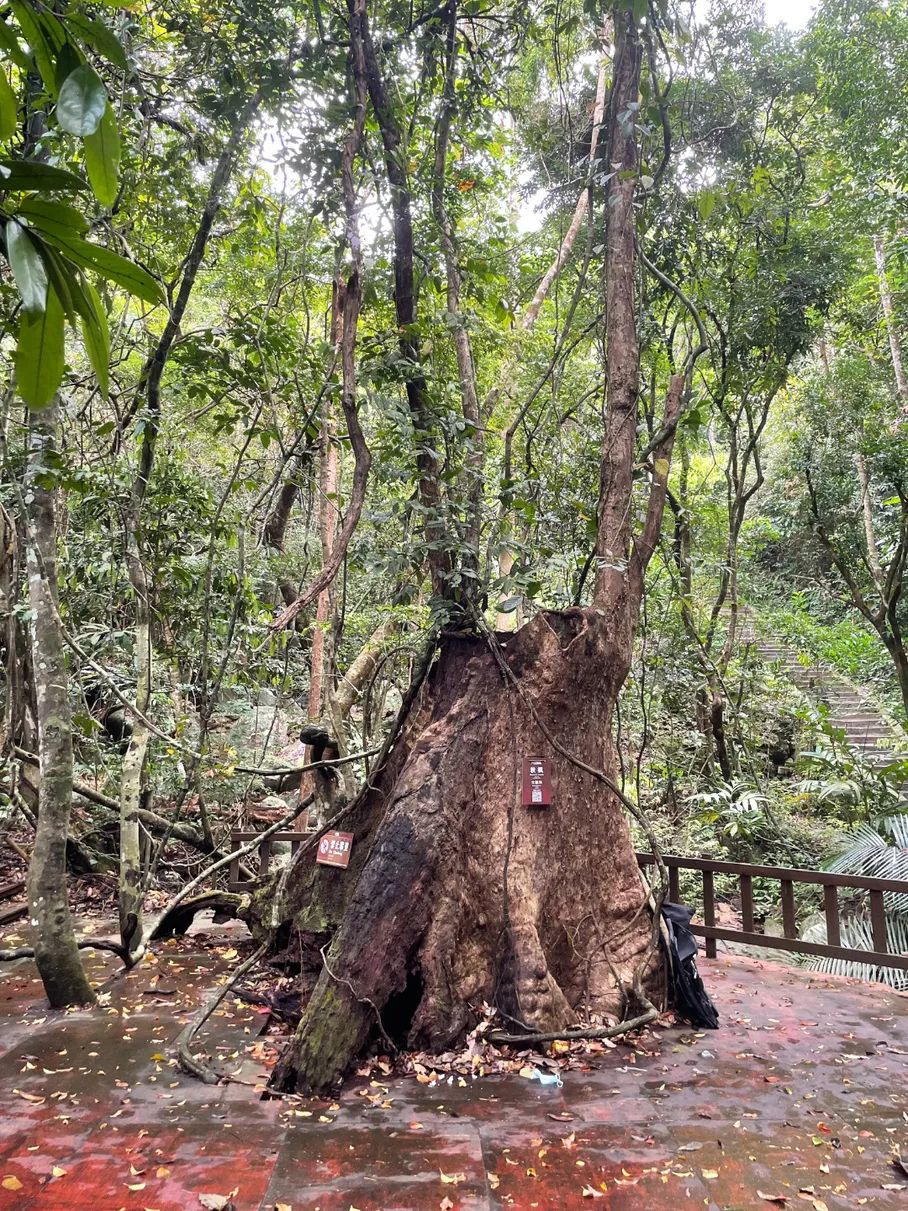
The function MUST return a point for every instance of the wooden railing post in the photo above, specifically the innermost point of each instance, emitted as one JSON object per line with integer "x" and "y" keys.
{"x": 674, "y": 884}
{"x": 747, "y": 903}
{"x": 831, "y": 909}
{"x": 709, "y": 910}
{"x": 878, "y": 922}
{"x": 789, "y": 918}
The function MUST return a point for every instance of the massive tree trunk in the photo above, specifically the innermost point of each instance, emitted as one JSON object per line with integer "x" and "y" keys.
{"x": 456, "y": 893}
{"x": 56, "y": 955}
{"x": 464, "y": 895}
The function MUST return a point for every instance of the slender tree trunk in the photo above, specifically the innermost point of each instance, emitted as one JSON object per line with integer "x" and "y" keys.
{"x": 471, "y": 479}
{"x": 873, "y": 554}
{"x": 131, "y": 776}
{"x": 895, "y": 347}
{"x": 56, "y": 954}
{"x": 513, "y": 619}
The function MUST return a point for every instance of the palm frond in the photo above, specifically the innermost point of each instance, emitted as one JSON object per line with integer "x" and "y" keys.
{"x": 873, "y": 855}
{"x": 856, "y": 934}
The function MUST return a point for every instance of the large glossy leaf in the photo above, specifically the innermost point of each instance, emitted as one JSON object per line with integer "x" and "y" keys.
{"x": 102, "y": 158}
{"x": 27, "y": 266}
{"x": 82, "y": 101}
{"x": 9, "y": 109}
{"x": 27, "y": 175}
{"x": 110, "y": 265}
{"x": 95, "y": 331}
{"x": 39, "y": 354}
{"x": 53, "y": 218}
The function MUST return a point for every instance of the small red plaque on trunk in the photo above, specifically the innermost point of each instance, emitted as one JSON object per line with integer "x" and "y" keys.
{"x": 334, "y": 850}
{"x": 537, "y": 782}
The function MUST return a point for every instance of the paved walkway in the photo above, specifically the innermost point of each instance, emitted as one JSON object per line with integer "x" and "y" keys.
{"x": 802, "y": 1095}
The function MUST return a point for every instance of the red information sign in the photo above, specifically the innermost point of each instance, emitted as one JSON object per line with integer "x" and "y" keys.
{"x": 537, "y": 782}
{"x": 334, "y": 850}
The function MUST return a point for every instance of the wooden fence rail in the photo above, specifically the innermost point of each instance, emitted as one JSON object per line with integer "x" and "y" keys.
{"x": 787, "y": 877}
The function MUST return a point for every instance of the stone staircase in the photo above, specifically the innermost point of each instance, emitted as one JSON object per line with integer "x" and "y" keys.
{"x": 878, "y": 740}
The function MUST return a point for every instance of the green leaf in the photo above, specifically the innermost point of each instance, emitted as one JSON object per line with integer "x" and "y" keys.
{"x": 27, "y": 266}
{"x": 706, "y": 202}
{"x": 10, "y": 44}
{"x": 99, "y": 37}
{"x": 95, "y": 332}
{"x": 54, "y": 218}
{"x": 82, "y": 101}
{"x": 9, "y": 109}
{"x": 61, "y": 277}
{"x": 26, "y": 175}
{"x": 102, "y": 158}
{"x": 45, "y": 37}
{"x": 110, "y": 265}
{"x": 39, "y": 354}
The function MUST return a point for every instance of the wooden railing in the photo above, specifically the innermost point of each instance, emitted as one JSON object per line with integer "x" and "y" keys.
{"x": 9, "y": 891}
{"x": 787, "y": 877}
{"x": 266, "y": 850}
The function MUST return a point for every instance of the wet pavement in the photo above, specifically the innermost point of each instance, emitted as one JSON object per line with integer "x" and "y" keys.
{"x": 801, "y": 1099}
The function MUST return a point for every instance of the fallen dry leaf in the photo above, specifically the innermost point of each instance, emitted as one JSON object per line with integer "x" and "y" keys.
{"x": 592, "y": 1192}
{"x": 11, "y": 1183}
{"x": 446, "y": 1204}
{"x": 773, "y": 1198}
{"x": 452, "y": 1179}
{"x": 214, "y": 1202}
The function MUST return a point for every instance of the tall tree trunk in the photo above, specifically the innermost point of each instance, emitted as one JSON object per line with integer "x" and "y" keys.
{"x": 56, "y": 954}
{"x": 456, "y": 893}
{"x": 321, "y": 652}
{"x": 892, "y": 330}
{"x": 511, "y": 619}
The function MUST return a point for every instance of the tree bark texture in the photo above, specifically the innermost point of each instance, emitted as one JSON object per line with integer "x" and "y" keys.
{"x": 458, "y": 894}
{"x": 56, "y": 953}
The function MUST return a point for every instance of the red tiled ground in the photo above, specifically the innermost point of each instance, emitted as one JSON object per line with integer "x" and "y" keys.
{"x": 803, "y": 1095}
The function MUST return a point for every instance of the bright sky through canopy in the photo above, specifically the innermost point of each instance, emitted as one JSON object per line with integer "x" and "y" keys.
{"x": 793, "y": 13}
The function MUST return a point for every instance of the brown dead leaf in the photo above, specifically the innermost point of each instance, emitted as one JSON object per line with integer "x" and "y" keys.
{"x": 446, "y": 1204}
{"x": 592, "y": 1192}
{"x": 57, "y": 1171}
{"x": 214, "y": 1202}
{"x": 282, "y": 1207}
{"x": 452, "y": 1179}
{"x": 11, "y": 1182}
{"x": 782, "y": 1199}
{"x": 30, "y": 1097}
